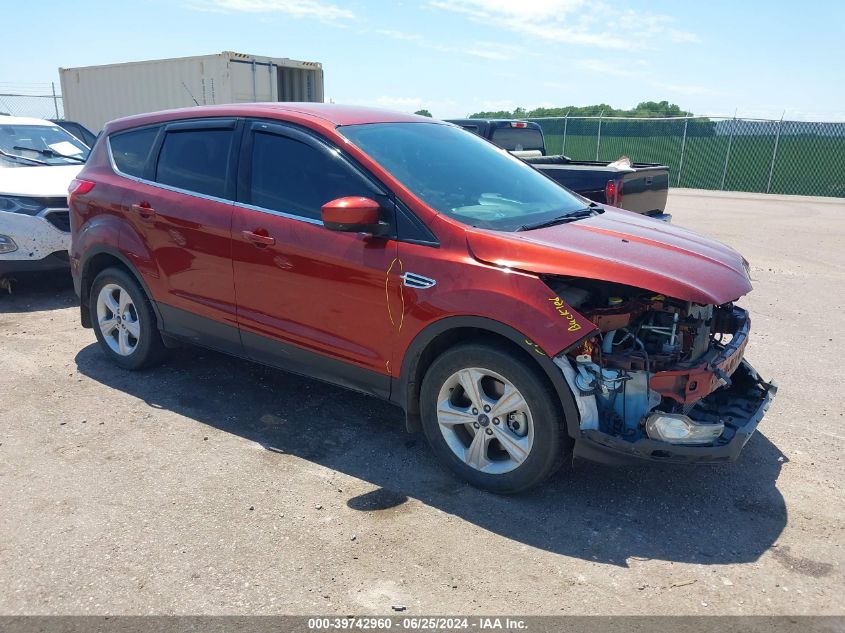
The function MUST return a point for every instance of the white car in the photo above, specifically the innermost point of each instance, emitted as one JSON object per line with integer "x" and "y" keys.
{"x": 38, "y": 160}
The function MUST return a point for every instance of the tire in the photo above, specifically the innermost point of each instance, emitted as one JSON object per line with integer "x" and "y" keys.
{"x": 124, "y": 321}
{"x": 522, "y": 446}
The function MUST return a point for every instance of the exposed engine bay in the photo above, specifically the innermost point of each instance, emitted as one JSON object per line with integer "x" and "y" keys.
{"x": 652, "y": 362}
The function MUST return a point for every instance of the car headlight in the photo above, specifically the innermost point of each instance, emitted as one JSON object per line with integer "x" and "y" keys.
{"x": 676, "y": 428}
{"x": 7, "y": 244}
{"x": 27, "y": 206}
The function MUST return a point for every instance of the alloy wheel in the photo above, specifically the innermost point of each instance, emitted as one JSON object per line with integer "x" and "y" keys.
{"x": 485, "y": 420}
{"x": 117, "y": 319}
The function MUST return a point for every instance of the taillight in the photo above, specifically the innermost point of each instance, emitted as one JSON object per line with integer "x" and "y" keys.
{"x": 519, "y": 124}
{"x": 613, "y": 193}
{"x": 78, "y": 186}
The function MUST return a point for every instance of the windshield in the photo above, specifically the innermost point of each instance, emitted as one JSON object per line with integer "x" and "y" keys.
{"x": 463, "y": 176}
{"x": 31, "y": 145}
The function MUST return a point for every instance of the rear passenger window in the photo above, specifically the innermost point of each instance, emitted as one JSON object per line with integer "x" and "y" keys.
{"x": 195, "y": 160}
{"x": 131, "y": 150}
{"x": 295, "y": 178}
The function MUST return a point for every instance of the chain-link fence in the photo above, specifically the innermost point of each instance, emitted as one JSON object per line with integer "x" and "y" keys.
{"x": 757, "y": 155}
{"x": 40, "y": 101}
{"x": 791, "y": 157}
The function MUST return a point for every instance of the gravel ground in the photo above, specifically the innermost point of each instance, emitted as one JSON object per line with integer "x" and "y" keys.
{"x": 212, "y": 486}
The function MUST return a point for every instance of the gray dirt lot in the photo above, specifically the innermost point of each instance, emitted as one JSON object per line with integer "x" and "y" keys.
{"x": 210, "y": 485}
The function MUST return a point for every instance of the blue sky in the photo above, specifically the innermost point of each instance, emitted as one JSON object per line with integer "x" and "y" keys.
{"x": 459, "y": 56}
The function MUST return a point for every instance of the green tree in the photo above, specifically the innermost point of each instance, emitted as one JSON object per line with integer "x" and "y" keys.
{"x": 644, "y": 109}
{"x": 423, "y": 112}
{"x": 492, "y": 114}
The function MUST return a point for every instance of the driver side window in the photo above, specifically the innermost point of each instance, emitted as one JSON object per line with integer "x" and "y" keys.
{"x": 295, "y": 178}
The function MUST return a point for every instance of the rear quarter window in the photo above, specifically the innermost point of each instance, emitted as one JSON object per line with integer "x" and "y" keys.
{"x": 131, "y": 150}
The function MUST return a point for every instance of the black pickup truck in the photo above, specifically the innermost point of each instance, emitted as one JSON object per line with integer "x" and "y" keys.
{"x": 638, "y": 187}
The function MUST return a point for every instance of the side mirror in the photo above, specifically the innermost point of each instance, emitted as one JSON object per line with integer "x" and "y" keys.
{"x": 353, "y": 215}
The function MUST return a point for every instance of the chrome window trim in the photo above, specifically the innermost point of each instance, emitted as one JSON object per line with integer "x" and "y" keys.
{"x": 159, "y": 185}
{"x": 204, "y": 196}
{"x": 282, "y": 214}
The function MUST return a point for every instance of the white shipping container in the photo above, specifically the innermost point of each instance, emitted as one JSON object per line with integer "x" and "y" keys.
{"x": 94, "y": 95}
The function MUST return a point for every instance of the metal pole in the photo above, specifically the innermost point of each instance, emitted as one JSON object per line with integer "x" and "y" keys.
{"x": 683, "y": 146}
{"x": 728, "y": 152}
{"x": 55, "y": 99}
{"x": 598, "y": 140}
{"x": 565, "y": 121}
{"x": 254, "y": 90}
{"x": 775, "y": 153}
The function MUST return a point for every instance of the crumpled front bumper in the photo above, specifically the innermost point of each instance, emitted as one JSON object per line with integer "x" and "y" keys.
{"x": 40, "y": 244}
{"x": 740, "y": 405}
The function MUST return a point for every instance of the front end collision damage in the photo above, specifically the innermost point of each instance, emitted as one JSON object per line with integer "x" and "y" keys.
{"x": 660, "y": 379}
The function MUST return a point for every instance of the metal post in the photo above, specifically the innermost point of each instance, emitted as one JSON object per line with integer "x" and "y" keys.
{"x": 775, "y": 153}
{"x": 683, "y": 146}
{"x": 565, "y": 121}
{"x": 598, "y": 140}
{"x": 254, "y": 90}
{"x": 56, "y": 100}
{"x": 728, "y": 152}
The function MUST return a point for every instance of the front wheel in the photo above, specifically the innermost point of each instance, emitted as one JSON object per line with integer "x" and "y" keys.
{"x": 124, "y": 321}
{"x": 492, "y": 418}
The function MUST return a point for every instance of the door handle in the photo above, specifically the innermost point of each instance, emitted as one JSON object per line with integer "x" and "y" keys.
{"x": 258, "y": 239}
{"x": 144, "y": 210}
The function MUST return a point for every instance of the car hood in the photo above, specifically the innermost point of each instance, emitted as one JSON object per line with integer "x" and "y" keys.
{"x": 42, "y": 180}
{"x": 626, "y": 248}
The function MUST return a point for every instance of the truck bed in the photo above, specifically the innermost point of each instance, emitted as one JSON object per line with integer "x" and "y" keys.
{"x": 643, "y": 186}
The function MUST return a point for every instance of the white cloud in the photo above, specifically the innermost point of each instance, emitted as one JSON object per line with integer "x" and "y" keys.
{"x": 688, "y": 90}
{"x": 400, "y": 103}
{"x": 399, "y": 35}
{"x": 484, "y": 50}
{"x": 578, "y": 22}
{"x": 295, "y": 8}
{"x": 604, "y": 67}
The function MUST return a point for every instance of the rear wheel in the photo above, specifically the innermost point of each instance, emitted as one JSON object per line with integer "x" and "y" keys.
{"x": 124, "y": 321}
{"x": 492, "y": 418}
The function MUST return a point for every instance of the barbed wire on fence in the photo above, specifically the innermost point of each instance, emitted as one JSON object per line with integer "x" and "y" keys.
{"x": 724, "y": 153}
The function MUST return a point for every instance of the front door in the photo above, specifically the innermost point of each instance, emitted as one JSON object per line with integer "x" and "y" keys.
{"x": 309, "y": 299}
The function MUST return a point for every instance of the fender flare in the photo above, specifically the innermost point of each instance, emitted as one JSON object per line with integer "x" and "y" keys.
{"x": 405, "y": 387}
{"x": 112, "y": 252}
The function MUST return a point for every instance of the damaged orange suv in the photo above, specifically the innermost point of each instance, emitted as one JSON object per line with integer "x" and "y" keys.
{"x": 515, "y": 322}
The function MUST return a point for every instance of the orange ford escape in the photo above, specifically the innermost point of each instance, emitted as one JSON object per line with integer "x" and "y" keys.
{"x": 515, "y": 322}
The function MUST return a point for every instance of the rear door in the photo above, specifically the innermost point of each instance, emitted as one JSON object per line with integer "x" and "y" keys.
{"x": 310, "y": 300}
{"x": 181, "y": 212}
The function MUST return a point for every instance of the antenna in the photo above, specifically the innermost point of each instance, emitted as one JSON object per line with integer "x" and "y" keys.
{"x": 189, "y": 94}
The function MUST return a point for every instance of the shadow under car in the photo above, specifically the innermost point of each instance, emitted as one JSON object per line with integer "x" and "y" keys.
{"x": 730, "y": 513}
